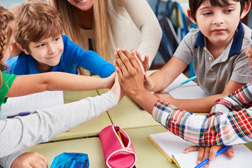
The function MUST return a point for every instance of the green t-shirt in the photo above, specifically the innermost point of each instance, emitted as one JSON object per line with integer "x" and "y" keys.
{"x": 7, "y": 80}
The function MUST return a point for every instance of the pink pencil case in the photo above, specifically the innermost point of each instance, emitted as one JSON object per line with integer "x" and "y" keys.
{"x": 117, "y": 147}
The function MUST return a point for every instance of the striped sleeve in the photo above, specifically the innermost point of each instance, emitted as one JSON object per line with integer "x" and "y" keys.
{"x": 216, "y": 128}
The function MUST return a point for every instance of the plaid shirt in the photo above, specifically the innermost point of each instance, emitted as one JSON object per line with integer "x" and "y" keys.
{"x": 228, "y": 123}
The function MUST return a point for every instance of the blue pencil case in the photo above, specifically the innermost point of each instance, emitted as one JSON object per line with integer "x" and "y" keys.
{"x": 71, "y": 160}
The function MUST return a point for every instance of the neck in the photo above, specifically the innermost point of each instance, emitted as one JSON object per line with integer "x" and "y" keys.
{"x": 43, "y": 67}
{"x": 217, "y": 49}
{"x": 86, "y": 18}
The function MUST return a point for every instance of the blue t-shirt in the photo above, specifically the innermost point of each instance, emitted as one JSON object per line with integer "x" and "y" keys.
{"x": 72, "y": 57}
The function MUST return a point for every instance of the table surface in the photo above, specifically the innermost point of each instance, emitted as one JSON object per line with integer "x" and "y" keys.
{"x": 92, "y": 146}
{"x": 87, "y": 129}
{"x": 136, "y": 122}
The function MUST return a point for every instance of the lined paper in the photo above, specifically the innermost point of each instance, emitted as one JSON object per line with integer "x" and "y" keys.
{"x": 173, "y": 146}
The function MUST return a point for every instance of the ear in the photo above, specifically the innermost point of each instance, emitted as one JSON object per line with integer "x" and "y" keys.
{"x": 21, "y": 48}
{"x": 190, "y": 16}
{"x": 246, "y": 9}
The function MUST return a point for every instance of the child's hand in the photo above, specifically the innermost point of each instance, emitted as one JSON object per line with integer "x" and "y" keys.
{"x": 148, "y": 83}
{"x": 116, "y": 88}
{"x": 30, "y": 160}
{"x": 109, "y": 81}
{"x": 208, "y": 152}
{"x": 144, "y": 64}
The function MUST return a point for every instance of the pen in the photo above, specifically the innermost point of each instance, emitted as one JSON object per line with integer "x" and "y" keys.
{"x": 186, "y": 81}
{"x": 19, "y": 114}
{"x": 204, "y": 162}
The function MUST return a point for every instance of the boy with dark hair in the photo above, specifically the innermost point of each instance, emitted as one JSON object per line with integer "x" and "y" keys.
{"x": 217, "y": 48}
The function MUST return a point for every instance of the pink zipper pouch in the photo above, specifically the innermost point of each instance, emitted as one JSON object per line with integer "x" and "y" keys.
{"x": 117, "y": 147}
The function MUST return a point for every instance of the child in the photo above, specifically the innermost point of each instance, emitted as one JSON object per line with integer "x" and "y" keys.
{"x": 228, "y": 123}
{"x": 22, "y": 132}
{"x": 45, "y": 49}
{"x": 217, "y": 49}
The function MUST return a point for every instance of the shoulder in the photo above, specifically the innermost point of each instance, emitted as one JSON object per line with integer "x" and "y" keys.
{"x": 191, "y": 36}
{"x": 247, "y": 33}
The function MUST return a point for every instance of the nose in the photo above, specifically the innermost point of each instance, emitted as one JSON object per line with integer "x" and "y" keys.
{"x": 218, "y": 19}
{"x": 51, "y": 49}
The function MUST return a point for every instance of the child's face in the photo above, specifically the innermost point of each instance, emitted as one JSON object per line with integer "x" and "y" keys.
{"x": 47, "y": 51}
{"x": 218, "y": 24}
{"x": 8, "y": 49}
{"x": 82, "y": 4}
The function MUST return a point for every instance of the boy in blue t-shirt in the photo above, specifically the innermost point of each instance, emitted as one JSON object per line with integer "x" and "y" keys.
{"x": 45, "y": 49}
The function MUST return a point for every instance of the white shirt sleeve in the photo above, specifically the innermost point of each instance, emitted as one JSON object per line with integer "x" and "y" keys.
{"x": 42, "y": 125}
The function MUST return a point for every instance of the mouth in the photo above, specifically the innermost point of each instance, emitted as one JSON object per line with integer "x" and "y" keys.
{"x": 80, "y": 1}
{"x": 218, "y": 30}
{"x": 52, "y": 57}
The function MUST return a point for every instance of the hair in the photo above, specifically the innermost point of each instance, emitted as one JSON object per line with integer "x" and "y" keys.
{"x": 71, "y": 24}
{"x": 5, "y": 32}
{"x": 195, "y": 4}
{"x": 35, "y": 21}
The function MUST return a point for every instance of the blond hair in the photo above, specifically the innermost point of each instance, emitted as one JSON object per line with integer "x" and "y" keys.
{"x": 35, "y": 21}
{"x": 5, "y": 32}
{"x": 71, "y": 24}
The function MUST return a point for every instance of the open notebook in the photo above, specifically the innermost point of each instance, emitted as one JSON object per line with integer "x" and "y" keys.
{"x": 172, "y": 147}
{"x": 189, "y": 90}
{"x": 31, "y": 103}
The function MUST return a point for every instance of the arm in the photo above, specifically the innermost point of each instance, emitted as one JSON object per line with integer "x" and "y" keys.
{"x": 166, "y": 75}
{"x": 56, "y": 81}
{"x": 88, "y": 60}
{"x": 224, "y": 129}
{"x": 22, "y": 132}
{"x": 203, "y": 104}
{"x": 148, "y": 25}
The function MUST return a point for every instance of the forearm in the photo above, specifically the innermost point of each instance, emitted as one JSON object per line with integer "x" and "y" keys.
{"x": 223, "y": 129}
{"x": 167, "y": 74}
{"x": 236, "y": 101}
{"x": 22, "y": 132}
{"x": 145, "y": 99}
{"x": 53, "y": 81}
{"x": 202, "y": 105}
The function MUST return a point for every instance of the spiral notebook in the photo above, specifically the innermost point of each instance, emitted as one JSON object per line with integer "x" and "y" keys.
{"x": 172, "y": 147}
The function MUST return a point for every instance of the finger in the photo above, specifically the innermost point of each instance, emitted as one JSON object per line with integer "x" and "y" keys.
{"x": 206, "y": 153}
{"x": 125, "y": 57}
{"x": 132, "y": 61}
{"x": 191, "y": 149}
{"x": 146, "y": 62}
{"x": 118, "y": 71}
{"x": 45, "y": 161}
{"x": 201, "y": 154}
{"x": 137, "y": 55}
{"x": 213, "y": 151}
{"x": 230, "y": 152}
{"x": 139, "y": 60}
{"x": 121, "y": 64}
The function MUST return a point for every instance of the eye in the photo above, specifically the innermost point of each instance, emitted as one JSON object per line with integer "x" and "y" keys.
{"x": 57, "y": 38}
{"x": 207, "y": 13}
{"x": 229, "y": 11}
{"x": 40, "y": 45}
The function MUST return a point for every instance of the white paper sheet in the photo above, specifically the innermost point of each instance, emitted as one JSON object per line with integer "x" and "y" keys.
{"x": 31, "y": 103}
